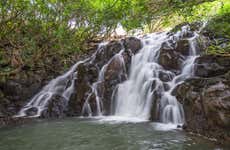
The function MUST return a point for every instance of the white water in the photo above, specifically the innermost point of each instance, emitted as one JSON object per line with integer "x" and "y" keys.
{"x": 132, "y": 100}
{"x": 60, "y": 86}
{"x": 134, "y": 97}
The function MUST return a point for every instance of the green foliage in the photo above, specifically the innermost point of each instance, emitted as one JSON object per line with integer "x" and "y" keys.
{"x": 219, "y": 49}
{"x": 219, "y": 24}
{"x": 32, "y": 31}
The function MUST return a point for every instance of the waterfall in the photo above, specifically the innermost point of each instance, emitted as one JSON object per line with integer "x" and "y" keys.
{"x": 143, "y": 87}
{"x": 134, "y": 97}
{"x": 59, "y": 85}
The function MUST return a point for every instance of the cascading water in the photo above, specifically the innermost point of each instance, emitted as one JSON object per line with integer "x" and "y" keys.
{"x": 62, "y": 85}
{"x": 134, "y": 97}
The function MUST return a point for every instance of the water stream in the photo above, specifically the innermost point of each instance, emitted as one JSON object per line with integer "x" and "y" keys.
{"x": 133, "y": 98}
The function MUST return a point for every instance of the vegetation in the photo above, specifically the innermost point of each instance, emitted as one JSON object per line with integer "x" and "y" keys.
{"x": 32, "y": 32}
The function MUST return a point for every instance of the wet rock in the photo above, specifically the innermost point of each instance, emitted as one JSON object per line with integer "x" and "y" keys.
{"x": 105, "y": 53}
{"x": 31, "y": 111}
{"x": 170, "y": 59}
{"x": 133, "y": 44}
{"x": 184, "y": 126}
{"x": 195, "y": 26}
{"x": 166, "y": 87}
{"x": 127, "y": 55}
{"x": 87, "y": 74}
{"x": 114, "y": 74}
{"x": 156, "y": 110}
{"x": 165, "y": 76}
{"x": 206, "y": 103}
{"x": 182, "y": 47}
{"x": 55, "y": 108}
{"x": 115, "y": 70}
{"x": 212, "y": 65}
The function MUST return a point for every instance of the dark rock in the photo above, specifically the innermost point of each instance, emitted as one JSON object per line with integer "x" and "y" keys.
{"x": 187, "y": 34}
{"x": 11, "y": 88}
{"x": 166, "y": 87}
{"x": 206, "y": 103}
{"x": 132, "y": 44}
{"x": 105, "y": 53}
{"x": 16, "y": 90}
{"x": 31, "y": 111}
{"x": 82, "y": 89}
{"x": 170, "y": 59}
{"x": 182, "y": 47}
{"x": 55, "y": 108}
{"x": 114, "y": 74}
{"x": 127, "y": 55}
{"x": 155, "y": 110}
{"x": 212, "y": 65}
{"x": 165, "y": 76}
{"x": 184, "y": 126}
{"x": 192, "y": 26}
{"x": 115, "y": 70}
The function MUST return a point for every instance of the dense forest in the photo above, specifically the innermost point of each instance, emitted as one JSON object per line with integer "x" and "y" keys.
{"x": 34, "y": 31}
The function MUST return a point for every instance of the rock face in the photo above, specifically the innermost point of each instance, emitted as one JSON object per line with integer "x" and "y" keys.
{"x": 170, "y": 59}
{"x": 206, "y": 101}
{"x": 173, "y": 53}
{"x": 18, "y": 89}
{"x": 98, "y": 77}
{"x": 14, "y": 93}
{"x": 132, "y": 44}
{"x": 212, "y": 65}
{"x": 87, "y": 74}
{"x": 56, "y": 107}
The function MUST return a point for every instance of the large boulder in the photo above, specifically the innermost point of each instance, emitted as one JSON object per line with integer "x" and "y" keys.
{"x": 206, "y": 103}
{"x": 169, "y": 58}
{"x": 55, "y": 108}
{"x": 31, "y": 111}
{"x": 212, "y": 65}
{"x": 133, "y": 44}
{"x": 87, "y": 73}
{"x": 115, "y": 73}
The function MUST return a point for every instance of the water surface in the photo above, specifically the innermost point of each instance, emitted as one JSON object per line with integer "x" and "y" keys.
{"x": 96, "y": 134}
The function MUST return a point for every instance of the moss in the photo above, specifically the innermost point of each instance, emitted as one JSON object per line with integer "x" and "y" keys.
{"x": 218, "y": 49}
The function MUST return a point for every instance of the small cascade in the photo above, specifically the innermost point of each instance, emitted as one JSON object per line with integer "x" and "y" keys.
{"x": 87, "y": 110}
{"x": 62, "y": 85}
